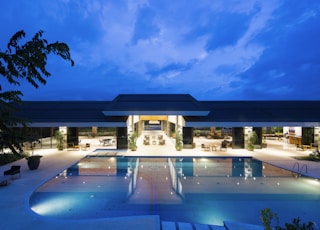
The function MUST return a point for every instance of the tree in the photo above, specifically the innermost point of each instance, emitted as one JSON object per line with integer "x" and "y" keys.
{"x": 178, "y": 140}
{"x": 267, "y": 217}
{"x": 23, "y": 60}
{"x": 133, "y": 141}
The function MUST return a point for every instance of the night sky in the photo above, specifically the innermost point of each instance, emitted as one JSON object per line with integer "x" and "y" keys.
{"x": 211, "y": 49}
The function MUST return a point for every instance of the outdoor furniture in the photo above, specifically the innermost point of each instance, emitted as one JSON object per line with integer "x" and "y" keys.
{"x": 146, "y": 142}
{"x": 106, "y": 142}
{"x": 75, "y": 147}
{"x": 162, "y": 142}
{"x": 205, "y": 147}
{"x": 85, "y": 146}
{"x": 224, "y": 145}
{"x": 3, "y": 182}
{"x": 213, "y": 147}
{"x": 15, "y": 169}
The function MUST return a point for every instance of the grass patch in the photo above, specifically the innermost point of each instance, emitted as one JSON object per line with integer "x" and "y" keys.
{"x": 6, "y": 158}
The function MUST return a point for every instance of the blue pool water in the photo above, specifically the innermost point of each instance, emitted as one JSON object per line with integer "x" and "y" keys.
{"x": 198, "y": 190}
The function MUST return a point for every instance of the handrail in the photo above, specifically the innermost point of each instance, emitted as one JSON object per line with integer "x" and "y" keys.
{"x": 296, "y": 164}
{"x": 304, "y": 166}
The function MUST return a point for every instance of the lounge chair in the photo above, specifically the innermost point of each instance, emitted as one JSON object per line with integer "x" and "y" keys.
{"x": 15, "y": 169}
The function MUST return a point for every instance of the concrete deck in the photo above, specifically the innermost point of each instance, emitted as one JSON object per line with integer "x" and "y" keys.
{"x": 14, "y": 206}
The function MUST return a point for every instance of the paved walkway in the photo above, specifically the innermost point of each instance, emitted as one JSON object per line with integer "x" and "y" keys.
{"x": 14, "y": 205}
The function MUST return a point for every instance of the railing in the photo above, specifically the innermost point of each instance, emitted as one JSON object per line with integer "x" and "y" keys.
{"x": 294, "y": 165}
{"x": 299, "y": 170}
{"x": 304, "y": 166}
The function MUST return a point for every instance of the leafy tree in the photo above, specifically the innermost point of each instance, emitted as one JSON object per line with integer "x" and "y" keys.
{"x": 23, "y": 61}
{"x": 267, "y": 217}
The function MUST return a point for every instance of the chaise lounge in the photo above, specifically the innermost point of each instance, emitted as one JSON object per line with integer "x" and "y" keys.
{"x": 15, "y": 169}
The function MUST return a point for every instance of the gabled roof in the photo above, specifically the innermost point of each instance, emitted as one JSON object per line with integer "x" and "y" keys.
{"x": 155, "y": 104}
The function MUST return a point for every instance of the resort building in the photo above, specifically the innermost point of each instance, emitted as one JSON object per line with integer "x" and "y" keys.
{"x": 205, "y": 186}
{"x": 299, "y": 121}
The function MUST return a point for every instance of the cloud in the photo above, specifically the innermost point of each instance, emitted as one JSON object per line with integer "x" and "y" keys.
{"x": 290, "y": 62}
{"x": 146, "y": 26}
{"x": 212, "y": 49}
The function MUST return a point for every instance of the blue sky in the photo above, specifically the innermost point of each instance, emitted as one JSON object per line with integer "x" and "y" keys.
{"x": 211, "y": 49}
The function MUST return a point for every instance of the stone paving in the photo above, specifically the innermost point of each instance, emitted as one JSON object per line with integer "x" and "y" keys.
{"x": 14, "y": 205}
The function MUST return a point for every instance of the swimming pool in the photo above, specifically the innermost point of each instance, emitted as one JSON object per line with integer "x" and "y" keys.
{"x": 187, "y": 189}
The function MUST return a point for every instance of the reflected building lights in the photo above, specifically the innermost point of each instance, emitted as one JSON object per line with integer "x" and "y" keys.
{"x": 194, "y": 171}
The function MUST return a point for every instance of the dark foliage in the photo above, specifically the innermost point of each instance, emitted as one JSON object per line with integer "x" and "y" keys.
{"x": 23, "y": 60}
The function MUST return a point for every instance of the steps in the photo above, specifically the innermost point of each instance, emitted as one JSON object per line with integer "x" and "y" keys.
{"x": 169, "y": 225}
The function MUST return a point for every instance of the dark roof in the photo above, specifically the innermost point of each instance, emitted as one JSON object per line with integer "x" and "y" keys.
{"x": 69, "y": 113}
{"x": 301, "y": 113}
{"x": 196, "y": 113}
{"x": 150, "y": 104}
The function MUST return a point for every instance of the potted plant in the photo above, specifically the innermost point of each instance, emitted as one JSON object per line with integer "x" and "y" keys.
{"x": 33, "y": 160}
{"x": 178, "y": 141}
{"x": 59, "y": 139}
{"x": 133, "y": 141}
{"x": 253, "y": 139}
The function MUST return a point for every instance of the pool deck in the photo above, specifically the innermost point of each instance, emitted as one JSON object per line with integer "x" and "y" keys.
{"x": 14, "y": 205}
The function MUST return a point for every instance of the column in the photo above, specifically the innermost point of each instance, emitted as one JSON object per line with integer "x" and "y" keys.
{"x": 187, "y": 137}
{"x": 94, "y": 131}
{"x": 238, "y": 138}
{"x": 73, "y": 136}
{"x": 316, "y": 139}
{"x": 122, "y": 138}
{"x": 307, "y": 135}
